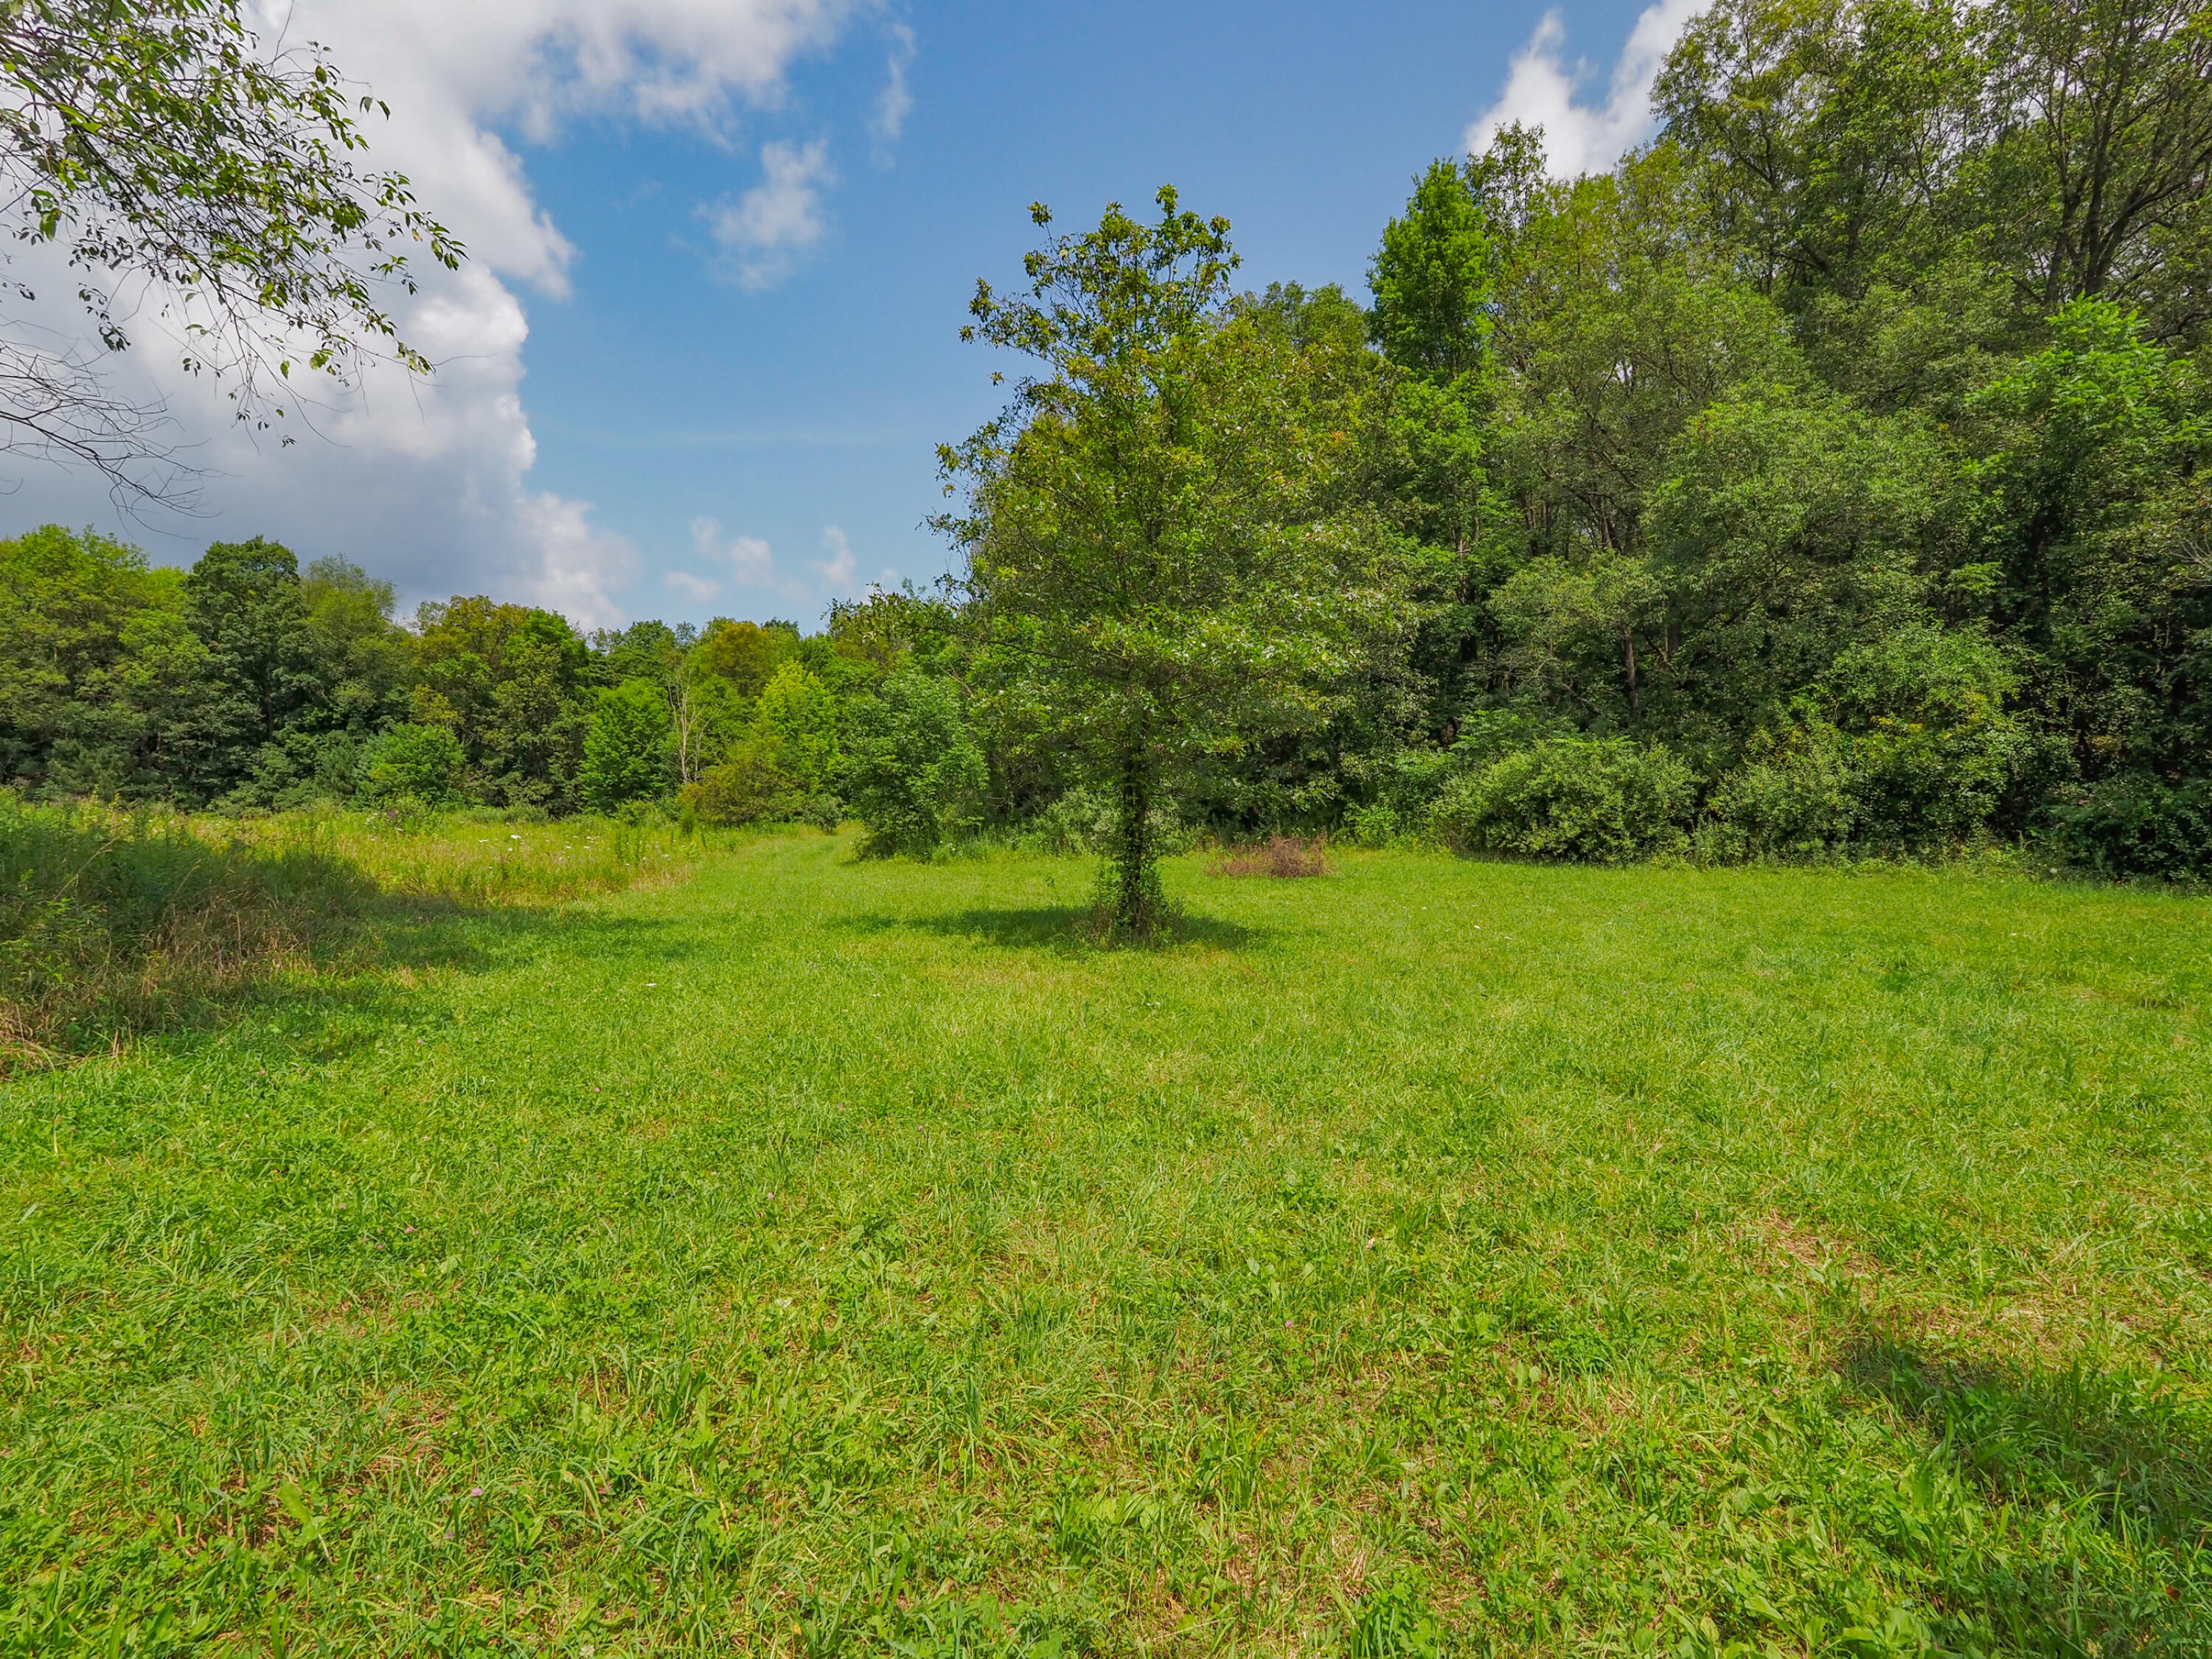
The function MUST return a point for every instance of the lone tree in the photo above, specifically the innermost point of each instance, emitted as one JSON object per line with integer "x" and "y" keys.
{"x": 1160, "y": 541}
{"x": 171, "y": 161}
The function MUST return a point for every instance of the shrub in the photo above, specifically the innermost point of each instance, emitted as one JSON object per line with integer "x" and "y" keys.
{"x": 2136, "y": 824}
{"x": 412, "y": 763}
{"x": 1598, "y": 800}
{"x": 1082, "y": 821}
{"x": 748, "y": 787}
{"x": 797, "y": 721}
{"x": 1932, "y": 751}
{"x": 783, "y": 766}
{"x": 1077, "y": 821}
{"x": 914, "y": 776}
{"x": 626, "y": 753}
{"x": 1404, "y": 792}
{"x": 1796, "y": 800}
{"x": 1375, "y": 824}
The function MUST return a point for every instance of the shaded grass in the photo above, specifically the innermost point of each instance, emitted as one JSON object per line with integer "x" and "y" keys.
{"x": 113, "y": 924}
{"x": 833, "y": 1257}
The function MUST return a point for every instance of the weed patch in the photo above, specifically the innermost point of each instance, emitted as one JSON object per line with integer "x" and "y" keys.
{"x": 1284, "y": 856}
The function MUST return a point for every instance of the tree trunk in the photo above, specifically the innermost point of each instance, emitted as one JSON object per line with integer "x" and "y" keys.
{"x": 1134, "y": 878}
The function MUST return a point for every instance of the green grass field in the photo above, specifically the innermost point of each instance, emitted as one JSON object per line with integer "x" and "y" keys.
{"x": 827, "y": 1257}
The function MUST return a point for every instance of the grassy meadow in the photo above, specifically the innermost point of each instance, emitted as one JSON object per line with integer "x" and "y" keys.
{"x": 795, "y": 1255}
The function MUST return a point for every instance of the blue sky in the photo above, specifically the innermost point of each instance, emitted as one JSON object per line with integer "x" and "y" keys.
{"x": 711, "y": 337}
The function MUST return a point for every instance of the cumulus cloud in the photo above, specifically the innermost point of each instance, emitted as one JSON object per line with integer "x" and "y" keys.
{"x": 576, "y": 566}
{"x": 765, "y": 233}
{"x": 428, "y": 484}
{"x": 750, "y": 560}
{"x": 1542, "y": 88}
{"x": 541, "y": 62}
{"x": 751, "y": 567}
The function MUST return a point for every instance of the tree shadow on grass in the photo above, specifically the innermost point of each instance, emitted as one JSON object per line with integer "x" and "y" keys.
{"x": 2107, "y": 1451}
{"x": 396, "y": 977}
{"x": 109, "y": 936}
{"x": 1066, "y": 929}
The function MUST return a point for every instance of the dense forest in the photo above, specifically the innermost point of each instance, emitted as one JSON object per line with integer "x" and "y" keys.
{"x": 1826, "y": 477}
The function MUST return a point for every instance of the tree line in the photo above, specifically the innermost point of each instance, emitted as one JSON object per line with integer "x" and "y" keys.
{"x": 1826, "y": 476}
{"x": 248, "y": 682}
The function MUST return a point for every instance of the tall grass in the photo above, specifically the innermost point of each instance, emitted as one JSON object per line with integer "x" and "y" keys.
{"x": 111, "y": 923}
{"x": 115, "y": 923}
{"x": 483, "y": 858}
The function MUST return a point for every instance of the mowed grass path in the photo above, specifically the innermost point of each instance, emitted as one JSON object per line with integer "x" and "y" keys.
{"x": 831, "y": 1257}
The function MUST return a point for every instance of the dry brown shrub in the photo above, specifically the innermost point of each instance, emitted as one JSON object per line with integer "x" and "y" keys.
{"x": 1282, "y": 855}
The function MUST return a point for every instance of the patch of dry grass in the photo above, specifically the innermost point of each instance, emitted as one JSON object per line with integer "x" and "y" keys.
{"x": 1284, "y": 856}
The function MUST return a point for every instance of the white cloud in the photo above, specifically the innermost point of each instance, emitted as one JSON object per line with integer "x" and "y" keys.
{"x": 751, "y": 561}
{"x": 837, "y": 569}
{"x": 427, "y": 483}
{"x": 765, "y": 233}
{"x": 540, "y": 62}
{"x": 1541, "y": 88}
{"x": 753, "y": 567}
{"x": 572, "y": 566}
{"x": 840, "y": 570}
{"x": 895, "y": 101}
{"x": 696, "y": 590}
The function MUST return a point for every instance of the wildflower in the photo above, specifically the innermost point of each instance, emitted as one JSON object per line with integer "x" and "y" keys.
{"x": 476, "y": 1491}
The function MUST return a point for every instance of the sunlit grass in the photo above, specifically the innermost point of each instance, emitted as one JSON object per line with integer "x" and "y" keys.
{"x": 485, "y": 858}
{"x": 826, "y": 1256}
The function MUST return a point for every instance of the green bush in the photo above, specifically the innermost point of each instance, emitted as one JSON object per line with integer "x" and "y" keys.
{"x": 1932, "y": 752}
{"x": 1905, "y": 747}
{"x": 1375, "y": 824}
{"x": 2136, "y": 824}
{"x": 784, "y": 766}
{"x": 412, "y": 763}
{"x": 1598, "y": 800}
{"x": 748, "y": 787}
{"x": 798, "y": 720}
{"x": 627, "y": 754}
{"x": 1402, "y": 793}
{"x": 1796, "y": 799}
{"x": 914, "y": 776}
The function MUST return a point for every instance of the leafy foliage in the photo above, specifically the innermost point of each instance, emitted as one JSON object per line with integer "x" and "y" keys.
{"x": 627, "y": 754}
{"x": 914, "y": 776}
{"x": 1828, "y": 477}
{"x": 411, "y": 762}
{"x": 1597, "y": 799}
{"x": 1159, "y": 546}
